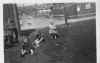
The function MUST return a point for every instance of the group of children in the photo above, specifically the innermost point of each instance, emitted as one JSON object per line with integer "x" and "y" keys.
{"x": 29, "y": 48}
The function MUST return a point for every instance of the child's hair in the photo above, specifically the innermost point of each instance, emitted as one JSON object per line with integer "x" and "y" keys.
{"x": 38, "y": 35}
{"x": 52, "y": 23}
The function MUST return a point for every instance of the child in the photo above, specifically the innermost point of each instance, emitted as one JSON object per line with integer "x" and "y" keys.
{"x": 26, "y": 48}
{"x": 52, "y": 30}
{"x": 36, "y": 43}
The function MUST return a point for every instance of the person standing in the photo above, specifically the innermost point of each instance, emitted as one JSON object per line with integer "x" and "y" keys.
{"x": 66, "y": 15}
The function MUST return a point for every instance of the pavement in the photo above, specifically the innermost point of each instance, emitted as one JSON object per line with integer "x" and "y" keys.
{"x": 77, "y": 44}
{"x": 41, "y": 22}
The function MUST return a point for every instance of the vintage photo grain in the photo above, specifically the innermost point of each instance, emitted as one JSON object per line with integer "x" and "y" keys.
{"x": 49, "y": 32}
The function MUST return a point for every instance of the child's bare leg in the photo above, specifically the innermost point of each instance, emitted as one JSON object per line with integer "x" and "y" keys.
{"x": 31, "y": 51}
{"x": 23, "y": 51}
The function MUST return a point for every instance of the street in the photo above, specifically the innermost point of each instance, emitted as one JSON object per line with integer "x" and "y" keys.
{"x": 77, "y": 44}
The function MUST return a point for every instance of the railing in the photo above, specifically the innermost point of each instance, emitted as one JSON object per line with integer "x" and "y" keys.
{"x": 79, "y": 15}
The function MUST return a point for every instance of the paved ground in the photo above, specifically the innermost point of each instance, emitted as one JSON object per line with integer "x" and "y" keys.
{"x": 77, "y": 44}
{"x": 40, "y": 22}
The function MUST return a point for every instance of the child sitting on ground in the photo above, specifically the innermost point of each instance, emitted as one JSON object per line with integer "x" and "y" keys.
{"x": 26, "y": 48}
{"x": 53, "y": 30}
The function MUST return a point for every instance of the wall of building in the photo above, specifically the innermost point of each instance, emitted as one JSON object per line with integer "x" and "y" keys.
{"x": 73, "y": 8}
{"x": 86, "y": 8}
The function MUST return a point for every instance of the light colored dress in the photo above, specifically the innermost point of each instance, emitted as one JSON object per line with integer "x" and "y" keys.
{"x": 52, "y": 29}
{"x": 37, "y": 42}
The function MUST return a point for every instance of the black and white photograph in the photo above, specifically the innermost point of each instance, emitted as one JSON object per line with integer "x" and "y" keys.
{"x": 49, "y": 32}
